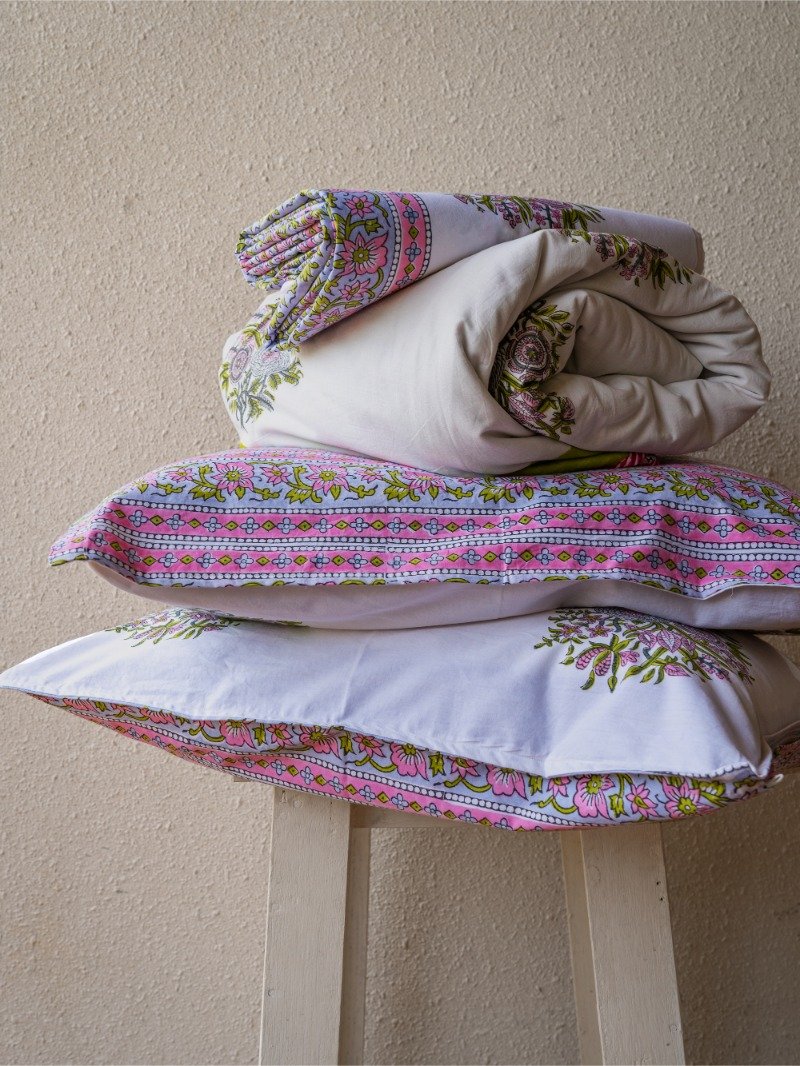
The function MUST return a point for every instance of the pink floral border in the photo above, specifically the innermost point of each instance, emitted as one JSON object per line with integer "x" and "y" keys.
{"x": 391, "y": 776}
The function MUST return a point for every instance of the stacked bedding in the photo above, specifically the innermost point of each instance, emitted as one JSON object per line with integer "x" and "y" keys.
{"x": 460, "y": 564}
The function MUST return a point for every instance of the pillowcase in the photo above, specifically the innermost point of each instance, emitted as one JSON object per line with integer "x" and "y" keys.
{"x": 339, "y": 541}
{"x": 577, "y": 717}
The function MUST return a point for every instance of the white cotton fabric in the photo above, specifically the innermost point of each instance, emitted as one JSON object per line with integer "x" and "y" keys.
{"x": 480, "y": 691}
{"x": 457, "y": 231}
{"x": 667, "y": 371}
{"x": 764, "y": 609}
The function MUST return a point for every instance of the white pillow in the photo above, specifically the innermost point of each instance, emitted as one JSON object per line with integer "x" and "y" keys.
{"x": 422, "y": 709}
{"x": 570, "y": 692}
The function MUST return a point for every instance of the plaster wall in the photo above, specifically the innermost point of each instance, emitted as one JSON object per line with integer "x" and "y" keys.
{"x": 139, "y": 138}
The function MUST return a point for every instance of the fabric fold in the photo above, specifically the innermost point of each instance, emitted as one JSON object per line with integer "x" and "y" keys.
{"x": 518, "y": 354}
{"x": 328, "y": 253}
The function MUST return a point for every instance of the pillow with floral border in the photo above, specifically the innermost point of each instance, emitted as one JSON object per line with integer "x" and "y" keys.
{"x": 573, "y": 718}
{"x": 338, "y": 541}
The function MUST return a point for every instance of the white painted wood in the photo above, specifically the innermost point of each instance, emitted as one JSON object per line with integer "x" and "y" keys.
{"x": 580, "y": 948}
{"x": 354, "y": 976}
{"x": 621, "y": 874}
{"x": 303, "y": 954}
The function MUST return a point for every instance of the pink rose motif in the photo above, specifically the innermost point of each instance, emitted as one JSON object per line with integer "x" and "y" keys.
{"x": 236, "y": 733}
{"x": 505, "y": 781}
{"x": 683, "y": 801}
{"x": 531, "y": 359}
{"x": 463, "y": 767}
{"x": 409, "y": 760}
{"x": 321, "y": 740}
{"x": 234, "y": 477}
{"x": 590, "y": 796}
{"x": 639, "y": 799}
{"x": 325, "y": 480}
{"x": 238, "y": 361}
{"x": 363, "y": 256}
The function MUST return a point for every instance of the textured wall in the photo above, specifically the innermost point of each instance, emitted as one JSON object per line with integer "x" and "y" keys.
{"x": 138, "y": 139}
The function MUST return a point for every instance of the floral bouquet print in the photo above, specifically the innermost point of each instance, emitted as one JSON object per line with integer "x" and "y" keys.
{"x": 518, "y": 354}
{"x": 597, "y": 717}
{"x": 328, "y": 253}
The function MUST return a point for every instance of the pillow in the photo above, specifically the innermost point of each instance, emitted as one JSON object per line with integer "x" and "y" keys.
{"x": 338, "y": 541}
{"x": 577, "y": 717}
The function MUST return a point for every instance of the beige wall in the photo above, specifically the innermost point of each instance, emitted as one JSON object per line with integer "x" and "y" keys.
{"x": 139, "y": 139}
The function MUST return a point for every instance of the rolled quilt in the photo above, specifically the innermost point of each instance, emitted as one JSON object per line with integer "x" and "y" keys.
{"x": 519, "y": 354}
{"x": 331, "y": 252}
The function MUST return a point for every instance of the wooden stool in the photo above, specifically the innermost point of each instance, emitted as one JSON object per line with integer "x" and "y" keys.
{"x": 315, "y": 958}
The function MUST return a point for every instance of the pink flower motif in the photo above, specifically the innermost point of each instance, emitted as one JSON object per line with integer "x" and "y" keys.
{"x": 180, "y": 473}
{"x": 409, "y": 760}
{"x": 369, "y": 745}
{"x": 628, "y": 657}
{"x": 684, "y": 800}
{"x": 276, "y": 476}
{"x": 463, "y": 767}
{"x": 321, "y": 740}
{"x": 234, "y": 476}
{"x": 354, "y": 290}
{"x": 422, "y": 482}
{"x": 505, "y": 781}
{"x": 370, "y": 473}
{"x": 280, "y": 733}
{"x": 363, "y": 256}
{"x": 590, "y": 796}
{"x": 639, "y": 799}
{"x": 326, "y": 479}
{"x": 236, "y": 733}
{"x": 558, "y": 785}
{"x": 359, "y": 206}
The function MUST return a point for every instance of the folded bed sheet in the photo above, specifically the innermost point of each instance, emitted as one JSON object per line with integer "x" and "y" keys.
{"x": 518, "y": 354}
{"x": 331, "y": 252}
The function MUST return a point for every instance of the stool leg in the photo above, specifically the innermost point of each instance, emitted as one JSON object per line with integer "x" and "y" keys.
{"x": 303, "y": 954}
{"x": 626, "y": 991}
{"x": 354, "y": 982}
